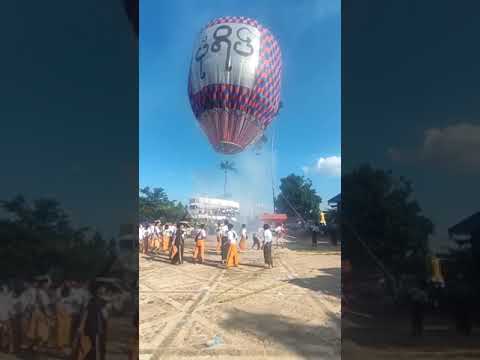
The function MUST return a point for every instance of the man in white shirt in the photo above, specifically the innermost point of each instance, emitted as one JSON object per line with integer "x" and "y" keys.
{"x": 199, "y": 251}
{"x": 243, "y": 238}
{"x": 166, "y": 236}
{"x": 232, "y": 253}
{"x": 267, "y": 246}
{"x": 219, "y": 238}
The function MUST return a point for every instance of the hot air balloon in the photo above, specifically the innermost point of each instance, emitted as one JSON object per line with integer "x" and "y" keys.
{"x": 234, "y": 82}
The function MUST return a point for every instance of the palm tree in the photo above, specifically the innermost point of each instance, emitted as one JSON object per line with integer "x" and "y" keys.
{"x": 227, "y": 166}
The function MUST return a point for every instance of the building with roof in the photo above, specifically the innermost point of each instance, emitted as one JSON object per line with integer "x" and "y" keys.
{"x": 335, "y": 201}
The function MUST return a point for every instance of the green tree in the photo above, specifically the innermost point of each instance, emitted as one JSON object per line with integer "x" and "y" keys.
{"x": 297, "y": 197}
{"x": 40, "y": 236}
{"x": 381, "y": 220}
{"x": 227, "y": 166}
{"x": 155, "y": 205}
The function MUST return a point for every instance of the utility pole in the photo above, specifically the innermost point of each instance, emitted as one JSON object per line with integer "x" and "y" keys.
{"x": 273, "y": 181}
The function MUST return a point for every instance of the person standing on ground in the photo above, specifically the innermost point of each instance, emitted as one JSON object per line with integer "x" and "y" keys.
{"x": 232, "y": 254}
{"x": 419, "y": 299}
{"x": 267, "y": 246}
{"x": 219, "y": 238}
{"x": 243, "y": 238}
{"x": 199, "y": 251}
{"x": 256, "y": 239}
{"x": 224, "y": 244}
{"x": 178, "y": 246}
{"x": 165, "y": 238}
{"x": 314, "y": 234}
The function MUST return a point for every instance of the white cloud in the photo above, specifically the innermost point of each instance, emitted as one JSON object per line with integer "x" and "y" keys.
{"x": 455, "y": 147}
{"x": 329, "y": 166}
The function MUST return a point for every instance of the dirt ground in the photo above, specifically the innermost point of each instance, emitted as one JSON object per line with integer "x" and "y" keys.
{"x": 289, "y": 312}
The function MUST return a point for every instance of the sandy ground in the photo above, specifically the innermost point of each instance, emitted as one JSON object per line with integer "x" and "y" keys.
{"x": 289, "y": 312}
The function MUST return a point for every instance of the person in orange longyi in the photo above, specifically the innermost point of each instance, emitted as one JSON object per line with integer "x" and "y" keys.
{"x": 233, "y": 258}
{"x": 219, "y": 238}
{"x": 243, "y": 238}
{"x": 166, "y": 238}
{"x": 199, "y": 251}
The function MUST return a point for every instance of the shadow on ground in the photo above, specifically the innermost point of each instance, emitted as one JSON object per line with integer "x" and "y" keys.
{"x": 305, "y": 340}
{"x": 390, "y": 328}
{"x": 304, "y": 243}
{"x": 329, "y": 282}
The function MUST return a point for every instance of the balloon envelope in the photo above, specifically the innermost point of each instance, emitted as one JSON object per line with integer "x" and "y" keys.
{"x": 234, "y": 82}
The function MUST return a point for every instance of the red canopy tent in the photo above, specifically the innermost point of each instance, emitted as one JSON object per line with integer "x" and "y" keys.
{"x": 274, "y": 218}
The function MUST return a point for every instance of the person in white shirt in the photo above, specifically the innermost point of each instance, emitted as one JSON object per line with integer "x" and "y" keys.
{"x": 278, "y": 235}
{"x": 178, "y": 246}
{"x": 232, "y": 254}
{"x": 267, "y": 246}
{"x": 219, "y": 238}
{"x": 64, "y": 310}
{"x": 166, "y": 236}
{"x": 243, "y": 238}
{"x": 199, "y": 251}
{"x": 42, "y": 317}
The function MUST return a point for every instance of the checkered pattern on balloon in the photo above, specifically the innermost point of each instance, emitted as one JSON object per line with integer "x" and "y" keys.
{"x": 234, "y": 106}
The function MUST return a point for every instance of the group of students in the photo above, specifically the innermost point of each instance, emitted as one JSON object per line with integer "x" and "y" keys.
{"x": 171, "y": 240}
{"x": 154, "y": 237}
{"x": 227, "y": 243}
{"x": 68, "y": 318}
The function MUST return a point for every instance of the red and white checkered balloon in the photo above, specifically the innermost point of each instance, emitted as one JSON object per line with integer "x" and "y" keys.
{"x": 234, "y": 82}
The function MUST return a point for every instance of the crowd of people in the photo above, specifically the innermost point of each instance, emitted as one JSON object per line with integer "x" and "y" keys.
{"x": 69, "y": 318}
{"x": 155, "y": 238}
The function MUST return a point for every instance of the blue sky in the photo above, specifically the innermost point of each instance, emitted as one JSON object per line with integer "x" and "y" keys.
{"x": 175, "y": 154}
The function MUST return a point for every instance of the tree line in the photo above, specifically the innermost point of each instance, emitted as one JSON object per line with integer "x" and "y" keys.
{"x": 39, "y": 238}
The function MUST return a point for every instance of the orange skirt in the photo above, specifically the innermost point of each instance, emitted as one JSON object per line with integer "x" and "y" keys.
{"x": 199, "y": 251}
{"x": 232, "y": 256}
{"x": 165, "y": 243}
{"x": 243, "y": 243}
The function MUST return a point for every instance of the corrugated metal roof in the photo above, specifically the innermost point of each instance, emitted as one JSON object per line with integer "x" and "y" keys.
{"x": 467, "y": 226}
{"x": 336, "y": 199}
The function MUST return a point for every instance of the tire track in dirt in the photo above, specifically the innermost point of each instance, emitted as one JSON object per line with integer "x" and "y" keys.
{"x": 335, "y": 319}
{"x": 175, "y": 328}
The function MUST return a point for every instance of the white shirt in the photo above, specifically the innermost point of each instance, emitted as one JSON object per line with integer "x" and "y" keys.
{"x": 267, "y": 236}
{"x": 202, "y": 234}
{"x": 232, "y": 236}
{"x": 224, "y": 230}
{"x": 244, "y": 233}
{"x": 167, "y": 232}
